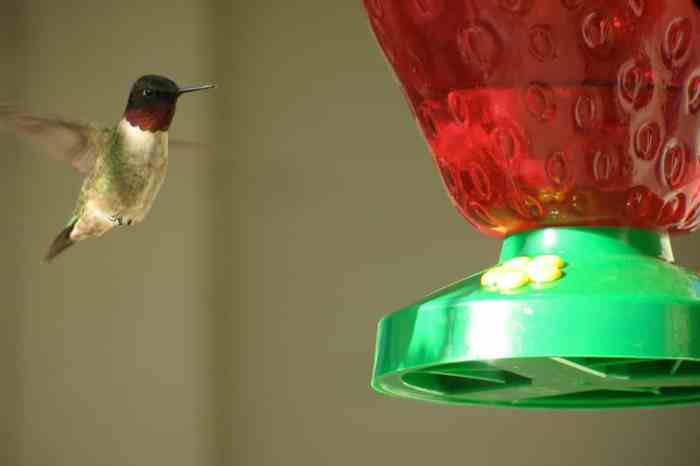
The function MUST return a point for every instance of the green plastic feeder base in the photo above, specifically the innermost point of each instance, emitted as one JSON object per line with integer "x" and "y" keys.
{"x": 620, "y": 329}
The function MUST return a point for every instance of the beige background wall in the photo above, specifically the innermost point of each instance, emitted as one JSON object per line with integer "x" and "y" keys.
{"x": 236, "y": 326}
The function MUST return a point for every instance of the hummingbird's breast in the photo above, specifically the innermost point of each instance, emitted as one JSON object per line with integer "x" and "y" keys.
{"x": 124, "y": 183}
{"x": 143, "y": 147}
{"x": 140, "y": 163}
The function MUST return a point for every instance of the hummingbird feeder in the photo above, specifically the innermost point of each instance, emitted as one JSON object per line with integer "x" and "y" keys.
{"x": 570, "y": 128}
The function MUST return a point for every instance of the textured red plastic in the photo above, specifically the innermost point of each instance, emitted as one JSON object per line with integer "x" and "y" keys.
{"x": 555, "y": 112}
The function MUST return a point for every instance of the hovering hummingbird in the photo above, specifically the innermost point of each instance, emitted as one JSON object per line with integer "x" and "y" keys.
{"x": 124, "y": 165}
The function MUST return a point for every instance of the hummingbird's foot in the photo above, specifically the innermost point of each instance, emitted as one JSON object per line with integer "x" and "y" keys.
{"x": 121, "y": 221}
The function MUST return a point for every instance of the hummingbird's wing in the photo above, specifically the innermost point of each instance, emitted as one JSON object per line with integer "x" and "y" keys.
{"x": 72, "y": 142}
{"x": 180, "y": 147}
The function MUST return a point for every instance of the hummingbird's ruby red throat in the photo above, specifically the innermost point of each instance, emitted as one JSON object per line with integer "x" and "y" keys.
{"x": 152, "y": 102}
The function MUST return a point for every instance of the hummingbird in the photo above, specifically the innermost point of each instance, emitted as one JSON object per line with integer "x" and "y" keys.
{"x": 124, "y": 165}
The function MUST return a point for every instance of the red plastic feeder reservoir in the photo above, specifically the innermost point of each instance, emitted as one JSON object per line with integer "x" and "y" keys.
{"x": 570, "y": 128}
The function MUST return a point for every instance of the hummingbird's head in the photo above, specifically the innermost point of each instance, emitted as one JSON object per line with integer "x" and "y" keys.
{"x": 152, "y": 102}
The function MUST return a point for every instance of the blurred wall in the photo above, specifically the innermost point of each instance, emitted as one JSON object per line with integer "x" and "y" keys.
{"x": 11, "y": 268}
{"x": 236, "y": 326}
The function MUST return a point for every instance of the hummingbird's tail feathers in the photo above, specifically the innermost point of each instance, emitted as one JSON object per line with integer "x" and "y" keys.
{"x": 62, "y": 242}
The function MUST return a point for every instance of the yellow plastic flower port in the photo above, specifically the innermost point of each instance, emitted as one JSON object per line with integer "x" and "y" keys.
{"x": 519, "y": 272}
{"x": 518, "y": 263}
{"x": 543, "y": 271}
{"x": 490, "y": 278}
{"x": 512, "y": 279}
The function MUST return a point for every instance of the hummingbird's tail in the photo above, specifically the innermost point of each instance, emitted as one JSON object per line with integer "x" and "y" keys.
{"x": 62, "y": 242}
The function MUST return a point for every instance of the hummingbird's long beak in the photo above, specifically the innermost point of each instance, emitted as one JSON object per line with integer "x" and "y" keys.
{"x": 185, "y": 90}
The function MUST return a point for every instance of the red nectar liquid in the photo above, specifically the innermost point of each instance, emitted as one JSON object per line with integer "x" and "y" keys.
{"x": 555, "y": 112}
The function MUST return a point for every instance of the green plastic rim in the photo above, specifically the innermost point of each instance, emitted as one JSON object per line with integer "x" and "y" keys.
{"x": 620, "y": 329}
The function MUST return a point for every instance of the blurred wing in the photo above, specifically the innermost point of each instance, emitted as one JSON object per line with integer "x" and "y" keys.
{"x": 71, "y": 142}
{"x": 178, "y": 147}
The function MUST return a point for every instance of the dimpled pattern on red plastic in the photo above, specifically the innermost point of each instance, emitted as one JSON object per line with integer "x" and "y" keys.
{"x": 555, "y": 112}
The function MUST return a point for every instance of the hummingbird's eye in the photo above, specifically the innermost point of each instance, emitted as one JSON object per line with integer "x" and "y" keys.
{"x": 147, "y": 93}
